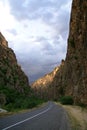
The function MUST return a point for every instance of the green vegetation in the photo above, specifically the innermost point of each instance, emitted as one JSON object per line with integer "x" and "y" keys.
{"x": 82, "y": 105}
{"x": 12, "y": 100}
{"x": 66, "y": 100}
{"x": 3, "y": 70}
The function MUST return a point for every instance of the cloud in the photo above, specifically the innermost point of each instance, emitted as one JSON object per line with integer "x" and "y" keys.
{"x": 28, "y": 9}
{"x": 37, "y": 31}
{"x": 12, "y": 31}
{"x": 34, "y": 9}
{"x": 46, "y": 45}
{"x": 53, "y": 13}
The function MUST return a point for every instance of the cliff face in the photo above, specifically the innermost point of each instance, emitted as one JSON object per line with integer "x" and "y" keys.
{"x": 11, "y": 74}
{"x": 71, "y": 78}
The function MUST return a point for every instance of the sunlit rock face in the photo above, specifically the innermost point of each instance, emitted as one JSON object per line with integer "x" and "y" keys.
{"x": 41, "y": 86}
{"x": 3, "y": 40}
{"x": 46, "y": 80}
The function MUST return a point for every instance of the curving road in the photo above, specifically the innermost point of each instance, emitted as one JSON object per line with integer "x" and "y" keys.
{"x": 49, "y": 117}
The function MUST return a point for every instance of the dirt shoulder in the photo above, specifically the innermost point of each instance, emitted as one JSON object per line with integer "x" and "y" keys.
{"x": 78, "y": 117}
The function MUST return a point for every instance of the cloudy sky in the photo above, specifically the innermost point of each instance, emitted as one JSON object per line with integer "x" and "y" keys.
{"x": 37, "y": 31}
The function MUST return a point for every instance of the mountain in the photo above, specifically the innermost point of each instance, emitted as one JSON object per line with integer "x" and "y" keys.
{"x": 41, "y": 86}
{"x": 46, "y": 80}
{"x": 11, "y": 74}
{"x": 71, "y": 77}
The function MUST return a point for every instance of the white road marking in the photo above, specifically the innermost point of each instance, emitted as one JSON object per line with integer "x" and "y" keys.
{"x": 27, "y": 119}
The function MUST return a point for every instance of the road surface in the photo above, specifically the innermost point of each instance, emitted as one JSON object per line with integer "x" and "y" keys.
{"x": 49, "y": 117}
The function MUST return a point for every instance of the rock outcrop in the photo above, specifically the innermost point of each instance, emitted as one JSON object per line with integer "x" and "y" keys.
{"x": 3, "y": 41}
{"x": 71, "y": 77}
{"x": 11, "y": 74}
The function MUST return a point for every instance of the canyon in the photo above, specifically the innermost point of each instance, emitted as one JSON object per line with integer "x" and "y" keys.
{"x": 71, "y": 77}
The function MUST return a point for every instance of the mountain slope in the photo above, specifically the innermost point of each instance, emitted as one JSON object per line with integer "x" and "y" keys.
{"x": 46, "y": 80}
{"x": 41, "y": 86}
{"x": 11, "y": 75}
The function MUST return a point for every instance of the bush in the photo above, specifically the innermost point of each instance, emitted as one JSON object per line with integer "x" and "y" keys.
{"x": 82, "y": 105}
{"x": 17, "y": 101}
{"x": 67, "y": 100}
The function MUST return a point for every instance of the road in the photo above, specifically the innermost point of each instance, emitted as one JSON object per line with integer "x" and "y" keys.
{"x": 49, "y": 117}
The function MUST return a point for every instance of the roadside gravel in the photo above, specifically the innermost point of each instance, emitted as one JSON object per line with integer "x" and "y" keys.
{"x": 78, "y": 117}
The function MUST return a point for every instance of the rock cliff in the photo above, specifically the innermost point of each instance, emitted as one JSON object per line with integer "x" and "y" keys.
{"x": 11, "y": 74}
{"x": 3, "y": 41}
{"x": 71, "y": 77}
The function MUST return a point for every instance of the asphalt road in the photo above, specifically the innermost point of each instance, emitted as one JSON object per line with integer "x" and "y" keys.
{"x": 49, "y": 117}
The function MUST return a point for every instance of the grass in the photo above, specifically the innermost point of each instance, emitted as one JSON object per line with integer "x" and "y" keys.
{"x": 75, "y": 124}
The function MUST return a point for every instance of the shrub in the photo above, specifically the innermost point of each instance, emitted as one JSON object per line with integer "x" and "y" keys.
{"x": 17, "y": 101}
{"x": 82, "y": 105}
{"x": 67, "y": 100}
